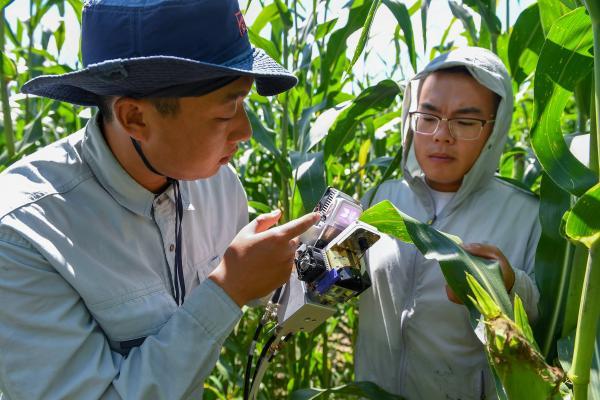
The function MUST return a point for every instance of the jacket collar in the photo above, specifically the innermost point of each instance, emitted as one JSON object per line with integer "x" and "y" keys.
{"x": 111, "y": 175}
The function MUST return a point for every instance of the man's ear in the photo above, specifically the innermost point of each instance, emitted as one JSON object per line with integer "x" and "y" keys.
{"x": 130, "y": 114}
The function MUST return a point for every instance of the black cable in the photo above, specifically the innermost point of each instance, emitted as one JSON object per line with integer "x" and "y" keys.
{"x": 261, "y": 324}
{"x": 249, "y": 362}
{"x": 263, "y": 353}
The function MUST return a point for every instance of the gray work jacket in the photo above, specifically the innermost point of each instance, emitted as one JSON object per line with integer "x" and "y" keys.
{"x": 412, "y": 340}
{"x": 85, "y": 257}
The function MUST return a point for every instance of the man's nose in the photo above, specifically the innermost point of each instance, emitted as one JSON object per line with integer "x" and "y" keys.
{"x": 241, "y": 130}
{"x": 442, "y": 134}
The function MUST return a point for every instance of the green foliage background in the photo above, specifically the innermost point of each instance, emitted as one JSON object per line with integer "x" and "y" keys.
{"x": 337, "y": 128}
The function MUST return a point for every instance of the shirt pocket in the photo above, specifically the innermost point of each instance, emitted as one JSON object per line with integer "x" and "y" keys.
{"x": 135, "y": 315}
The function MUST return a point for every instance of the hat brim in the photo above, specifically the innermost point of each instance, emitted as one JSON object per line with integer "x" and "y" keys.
{"x": 137, "y": 77}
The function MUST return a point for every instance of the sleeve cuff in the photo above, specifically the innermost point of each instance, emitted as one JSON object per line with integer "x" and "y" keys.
{"x": 212, "y": 308}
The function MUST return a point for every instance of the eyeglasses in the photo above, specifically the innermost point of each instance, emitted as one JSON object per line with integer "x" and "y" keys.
{"x": 460, "y": 128}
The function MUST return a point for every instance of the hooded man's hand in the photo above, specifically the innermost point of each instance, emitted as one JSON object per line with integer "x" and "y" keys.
{"x": 492, "y": 253}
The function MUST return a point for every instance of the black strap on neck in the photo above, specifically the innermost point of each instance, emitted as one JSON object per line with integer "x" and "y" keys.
{"x": 179, "y": 281}
{"x": 179, "y": 284}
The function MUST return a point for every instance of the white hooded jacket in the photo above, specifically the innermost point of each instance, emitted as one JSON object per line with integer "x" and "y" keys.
{"x": 412, "y": 340}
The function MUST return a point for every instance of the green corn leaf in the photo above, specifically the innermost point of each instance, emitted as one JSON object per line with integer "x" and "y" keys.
{"x": 526, "y": 42}
{"x": 9, "y": 69}
{"x": 308, "y": 170}
{"x": 424, "y": 12}
{"x": 566, "y": 347}
{"x": 266, "y": 15}
{"x": 454, "y": 260}
{"x": 482, "y": 300}
{"x": 460, "y": 12}
{"x": 334, "y": 59}
{"x": 366, "y": 390}
{"x": 522, "y": 322}
{"x": 322, "y": 125}
{"x": 284, "y": 14}
{"x": 393, "y": 166}
{"x": 77, "y": 6}
{"x": 268, "y": 46}
{"x": 552, "y": 265}
{"x": 583, "y": 221}
{"x": 487, "y": 10}
{"x": 59, "y": 36}
{"x": 565, "y": 59}
{"x": 372, "y": 100}
{"x": 520, "y": 367}
{"x": 324, "y": 28}
{"x": 262, "y": 134}
{"x": 5, "y": 3}
{"x": 364, "y": 36}
{"x": 550, "y": 11}
{"x": 403, "y": 17}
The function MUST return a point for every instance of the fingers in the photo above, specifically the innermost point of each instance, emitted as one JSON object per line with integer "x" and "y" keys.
{"x": 452, "y": 296}
{"x": 262, "y": 222}
{"x": 298, "y": 226}
{"x": 482, "y": 250}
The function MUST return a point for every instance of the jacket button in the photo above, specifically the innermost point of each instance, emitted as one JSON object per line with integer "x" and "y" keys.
{"x": 171, "y": 247}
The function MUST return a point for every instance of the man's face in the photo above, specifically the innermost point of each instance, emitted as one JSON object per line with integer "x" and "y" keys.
{"x": 202, "y": 136}
{"x": 444, "y": 159}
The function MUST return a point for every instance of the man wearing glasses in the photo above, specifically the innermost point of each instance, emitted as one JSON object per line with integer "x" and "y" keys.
{"x": 412, "y": 340}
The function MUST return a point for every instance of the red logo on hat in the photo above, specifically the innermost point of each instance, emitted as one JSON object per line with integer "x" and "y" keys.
{"x": 241, "y": 23}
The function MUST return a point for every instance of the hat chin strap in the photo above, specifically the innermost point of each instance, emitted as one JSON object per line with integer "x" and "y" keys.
{"x": 177, "y": 289}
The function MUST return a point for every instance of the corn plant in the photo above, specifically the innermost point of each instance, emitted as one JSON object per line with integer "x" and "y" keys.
{"x": 337, "y": 128}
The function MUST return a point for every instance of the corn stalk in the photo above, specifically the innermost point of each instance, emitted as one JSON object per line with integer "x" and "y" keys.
{"x": 589, "y": 308}
{"x": 585, "y": 337}
{"x": 8, "y": 126}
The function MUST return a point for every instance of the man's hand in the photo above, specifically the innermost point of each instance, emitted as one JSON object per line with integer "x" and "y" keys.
{"x": 260, "y": 259}
{"x": 492, "y": 253}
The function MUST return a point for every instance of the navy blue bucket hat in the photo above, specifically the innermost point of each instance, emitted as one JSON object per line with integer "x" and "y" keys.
{"x": 139, "y": 48}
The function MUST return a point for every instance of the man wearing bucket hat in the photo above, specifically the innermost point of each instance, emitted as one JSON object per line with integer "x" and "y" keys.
{"x": 122, "y": 270}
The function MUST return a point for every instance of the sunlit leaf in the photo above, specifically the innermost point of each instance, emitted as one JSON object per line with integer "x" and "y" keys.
{"x": 9, "y": 69}
{"x": 454, "y": 261}
{"x": 5, "y": 3}
{"x": 482, "y": 300}
{"x": 309, "y": 174}
{"x": 364, "y": 36}
{"x": 487, "y": 10}
{"x": 59, "y": 35}
{"x": 403, "y": 18}
{"x": 268, "y": 46}
{"x": 267, "y": 14}
{"x": 583, "y": 221}
{"x": 550, "y": 11}
{"x": 565, "y": 59}
{"x": 371, "y": 100}
{"x": 522, "y": 321}
{"x": 460, "y": 12}
{"x": 424, "y": 12}
{"x": 77, "y": 6}
{"x": 526, "y": 41}
{"x": 334, "y": 59}
{"x": 324, "y": 28}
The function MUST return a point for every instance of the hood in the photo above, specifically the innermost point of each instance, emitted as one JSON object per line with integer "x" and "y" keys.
{"x": 490, "y": 72}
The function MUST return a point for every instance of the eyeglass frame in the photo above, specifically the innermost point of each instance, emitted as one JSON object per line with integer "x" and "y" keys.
{"x": 483, "y": 123}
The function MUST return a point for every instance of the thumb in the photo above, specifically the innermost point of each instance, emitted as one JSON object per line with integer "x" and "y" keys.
{"x": 262, "y": 222}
